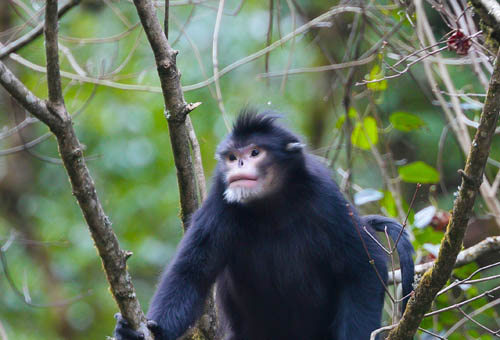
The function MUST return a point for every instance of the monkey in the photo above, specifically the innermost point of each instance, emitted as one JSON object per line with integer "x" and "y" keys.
{"x": 291, "y": 258}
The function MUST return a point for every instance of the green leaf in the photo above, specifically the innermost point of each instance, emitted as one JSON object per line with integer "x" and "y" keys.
{"x": 389, "y": 204}
{"x": 406, "y": 122}
{"x": 340, "y": 122}
{"x": 376, "y": 73}
{"x": 418, "y": 172}
{"x": 365, "y": 133}
{"x": 352, "y": 114}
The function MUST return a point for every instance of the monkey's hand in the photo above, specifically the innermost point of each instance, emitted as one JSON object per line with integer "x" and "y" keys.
{"x": 124, "y": 331}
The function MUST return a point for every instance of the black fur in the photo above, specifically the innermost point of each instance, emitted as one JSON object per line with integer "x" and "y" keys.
{"x": 289, "y": 267}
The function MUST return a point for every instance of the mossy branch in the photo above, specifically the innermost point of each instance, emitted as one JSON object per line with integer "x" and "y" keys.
{"x": 489, "y": 12}
{"x": 436, "y": 277}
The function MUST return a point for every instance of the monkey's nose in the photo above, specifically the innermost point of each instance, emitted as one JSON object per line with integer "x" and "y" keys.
{"x": 240, "y": 162}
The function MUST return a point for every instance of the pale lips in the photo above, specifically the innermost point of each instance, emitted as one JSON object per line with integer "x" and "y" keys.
{"x": 243, "y": 180}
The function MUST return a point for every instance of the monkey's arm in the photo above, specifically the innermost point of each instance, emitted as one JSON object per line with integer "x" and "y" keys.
{"x": 184, "y": 285}
{"x": 180, "y": 296}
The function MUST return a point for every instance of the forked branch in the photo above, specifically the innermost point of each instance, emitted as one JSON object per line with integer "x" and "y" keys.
{"x": 53, "y": 113}
{"x": 435, "y": 278}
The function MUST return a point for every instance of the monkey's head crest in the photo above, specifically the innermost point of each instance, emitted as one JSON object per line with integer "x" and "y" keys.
{"x": 252, "y": 126}
{"x": 250, "y": 121}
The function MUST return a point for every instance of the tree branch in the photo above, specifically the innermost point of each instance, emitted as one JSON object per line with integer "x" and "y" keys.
{"x": 34, "y": 33}
{"x": 54, "y": 114}
{"x": 52, "y": 54}
{"x": 471, "y": 254}
{"x": 176, "y": 107}
{"x": 435, "y": 278}
{"x": 181, "y": 135}
{"x": 489, "y": 12}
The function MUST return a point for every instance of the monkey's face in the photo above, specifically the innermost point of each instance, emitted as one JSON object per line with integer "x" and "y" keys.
{"x": 248, "y": 174}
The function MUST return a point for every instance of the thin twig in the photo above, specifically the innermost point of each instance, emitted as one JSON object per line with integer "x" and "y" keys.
{"x": 472, "y": 176}
{"x": 474, "y": 313}
{"x": 462, "y": 303}
{"x": 468, "y": 279}
{"x": 302, "y": 29}
{"x": 6, "y": 272}
{"x": 370, "y": 259}
{"x": 113, "y": 38}
{"x": 197, "y": 160}
{"x": 215, "y": 62}
{"x": 315, "y": 69}
{"x": 167, "y": 16}
{"x": 292, "y": 45}
{"x": 405, "y": 222}
{"x": 34, "y": 33}
{"x": 269, "y": 34}
{"x": 471, "y": 254}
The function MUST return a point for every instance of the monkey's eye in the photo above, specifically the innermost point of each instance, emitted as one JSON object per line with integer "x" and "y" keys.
{"x": 231, "y": 157}
{"x": 254, "y": 153}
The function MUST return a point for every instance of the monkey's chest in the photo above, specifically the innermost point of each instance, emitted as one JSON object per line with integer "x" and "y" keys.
{"x": 292, "y": 273}
{"x": 282, "y": 283}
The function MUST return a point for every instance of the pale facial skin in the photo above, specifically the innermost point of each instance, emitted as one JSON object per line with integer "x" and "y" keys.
{"x": 244, "y": 176}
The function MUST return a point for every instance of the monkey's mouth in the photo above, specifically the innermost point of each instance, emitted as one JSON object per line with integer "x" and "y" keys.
{"x": 242, "y": 180}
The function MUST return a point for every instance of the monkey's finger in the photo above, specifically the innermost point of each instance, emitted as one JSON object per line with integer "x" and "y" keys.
{"x": 123, "y": 332}
{"x": 152, "y": 325}
{"x": 121, "y": 320}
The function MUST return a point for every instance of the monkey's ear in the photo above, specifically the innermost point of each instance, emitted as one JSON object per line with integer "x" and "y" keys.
{"x": 295, "y": 146}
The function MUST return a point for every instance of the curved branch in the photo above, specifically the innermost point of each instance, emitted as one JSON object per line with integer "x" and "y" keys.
{"x": 435, "y": 278}
{"x": 34, "y": 33}
{"x": 471, "y": 254}
{"x": 53, "y": 113}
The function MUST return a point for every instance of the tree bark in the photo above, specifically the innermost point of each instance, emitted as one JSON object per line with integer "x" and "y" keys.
{"x": 436, "y": 277}
{"x": 53, "y": 113}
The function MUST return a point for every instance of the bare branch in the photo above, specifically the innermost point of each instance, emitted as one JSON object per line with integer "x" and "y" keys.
{"x": 25, "y": 298}
{"x": 454, "y": 113}
{"x": 52, "y": 53}
{"x": 474, "y": 313}
{"x": 34, "y": 33}
{"x": 167, "y": 15}
{"x": 86, "y": 79}
{"x": 462, "y": 303}
{"x": 176, "y": 106}
{"x": 489, "y": 12}
{"x": 104, "y": 82}
{"x": 269, "y": 34}
{"x": 26, "y": 146}
{"x": 55, "y": 116}
{"x": 471, "y": 254}
{"x": 181, "y": 135}
{"x": 15, "y": 129}
{"x": 25, "y": 97}
{"x": 215, "y": 62}
{"x": 302, "y": 29}
{"x": 331, "y": 67}
{"x": 434, "y": 279}
{"x": 197, "y": 161}
{"x": 109, "y": 39}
